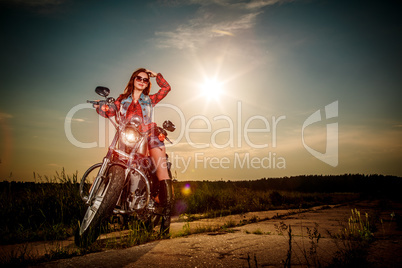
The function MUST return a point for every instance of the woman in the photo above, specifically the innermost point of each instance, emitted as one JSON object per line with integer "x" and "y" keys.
{"x": 136, "y": 100}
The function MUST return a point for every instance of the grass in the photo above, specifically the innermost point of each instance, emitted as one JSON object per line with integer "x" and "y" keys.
{"x": 136, "y": 233}
{"x": 351, "y": 243}
{"x": 214, "y": 199}
{"x": 258, "y": 232}
{"x": 216, "y": 228}
{"x": 50, "y": 208}
{"x": 358, "y": 228}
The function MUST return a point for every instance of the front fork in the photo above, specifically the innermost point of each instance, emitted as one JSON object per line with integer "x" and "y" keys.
{"x": 99, "y": 179}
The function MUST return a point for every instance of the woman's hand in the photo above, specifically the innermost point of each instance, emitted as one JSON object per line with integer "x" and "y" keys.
{"x": 151, "y": 73}
{"x": 96, "y": 106}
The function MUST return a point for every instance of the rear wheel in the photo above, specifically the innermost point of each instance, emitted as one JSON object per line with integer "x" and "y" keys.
{"x": 102, "y": 206}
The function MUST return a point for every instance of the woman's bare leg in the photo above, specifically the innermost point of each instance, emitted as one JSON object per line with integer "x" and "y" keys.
{"x": 158, "y": 155}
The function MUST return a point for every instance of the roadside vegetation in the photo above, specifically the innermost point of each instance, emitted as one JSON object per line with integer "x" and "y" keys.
{"x": 50, "y": 208}
{"x": 351, "y": 244}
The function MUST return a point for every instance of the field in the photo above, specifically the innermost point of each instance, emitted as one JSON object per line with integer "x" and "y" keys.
{"x": 51, "y": 208}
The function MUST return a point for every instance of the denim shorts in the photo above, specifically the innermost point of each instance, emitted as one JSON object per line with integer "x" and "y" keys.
{"x": 154, "y": 142}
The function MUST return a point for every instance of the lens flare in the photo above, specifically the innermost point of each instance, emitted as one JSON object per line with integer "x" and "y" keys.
{"x": 186, "y": 190}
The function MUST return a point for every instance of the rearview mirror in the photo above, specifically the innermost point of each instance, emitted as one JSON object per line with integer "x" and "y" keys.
{"x": 169, "y": 126}
{"x": 102, "y": 91}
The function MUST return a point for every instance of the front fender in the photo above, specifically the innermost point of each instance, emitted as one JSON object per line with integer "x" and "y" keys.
{"x": 82, "y": 183}
{"x": 89, "y": 170}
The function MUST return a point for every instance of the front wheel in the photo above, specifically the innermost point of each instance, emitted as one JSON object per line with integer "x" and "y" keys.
{"x": 102, "y": 206}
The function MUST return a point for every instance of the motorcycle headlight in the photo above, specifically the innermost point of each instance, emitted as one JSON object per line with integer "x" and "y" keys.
{"x": 130, "y": 136}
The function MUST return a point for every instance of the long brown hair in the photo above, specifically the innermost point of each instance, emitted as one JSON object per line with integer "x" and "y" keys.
{"x": 130, "y": 86}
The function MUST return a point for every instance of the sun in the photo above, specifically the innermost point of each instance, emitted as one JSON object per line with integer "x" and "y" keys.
{"x": 212, "y": 89}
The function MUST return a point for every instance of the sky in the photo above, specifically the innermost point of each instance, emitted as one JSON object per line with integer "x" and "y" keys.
{"x": 260, "y": 88}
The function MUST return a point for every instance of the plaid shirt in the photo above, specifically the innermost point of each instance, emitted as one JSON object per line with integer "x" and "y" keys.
{"x": 135, "y": 107}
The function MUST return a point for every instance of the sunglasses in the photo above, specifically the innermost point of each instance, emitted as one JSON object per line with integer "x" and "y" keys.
{"x": 141, "y": 79}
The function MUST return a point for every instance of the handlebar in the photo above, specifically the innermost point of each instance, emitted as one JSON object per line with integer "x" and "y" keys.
{"x": 166, "y": 126}
{"x": 108, "y": 101}
{"x": 160, "y": 131}
{"x": 93, "y": 102}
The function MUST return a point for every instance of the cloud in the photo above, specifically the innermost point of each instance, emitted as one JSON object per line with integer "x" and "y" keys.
{"x": 213, "y": 19}
{"x": 261, "y": 3}
{"x": 371, "y": 140}
{"x": 44, "y": 7}
{"x": 253, "y": 4}
{"x": 78, "y": 120}
{"x": 37, "y": 3}
{"x": 4, "y": 116}
{"x": 223, "y": 32}
{"x": 202, "y": 30}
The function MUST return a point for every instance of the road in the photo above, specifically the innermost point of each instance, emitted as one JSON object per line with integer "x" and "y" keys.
{"x": 259, "y": 244}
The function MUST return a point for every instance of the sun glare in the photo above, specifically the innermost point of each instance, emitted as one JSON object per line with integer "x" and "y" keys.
{"x": 211, "y": 88}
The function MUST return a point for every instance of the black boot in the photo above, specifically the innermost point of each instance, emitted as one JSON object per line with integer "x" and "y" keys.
{"x": 166, "y": 200}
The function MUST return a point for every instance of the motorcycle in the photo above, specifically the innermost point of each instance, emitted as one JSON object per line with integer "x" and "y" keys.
{"x": 125, "y": 182}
